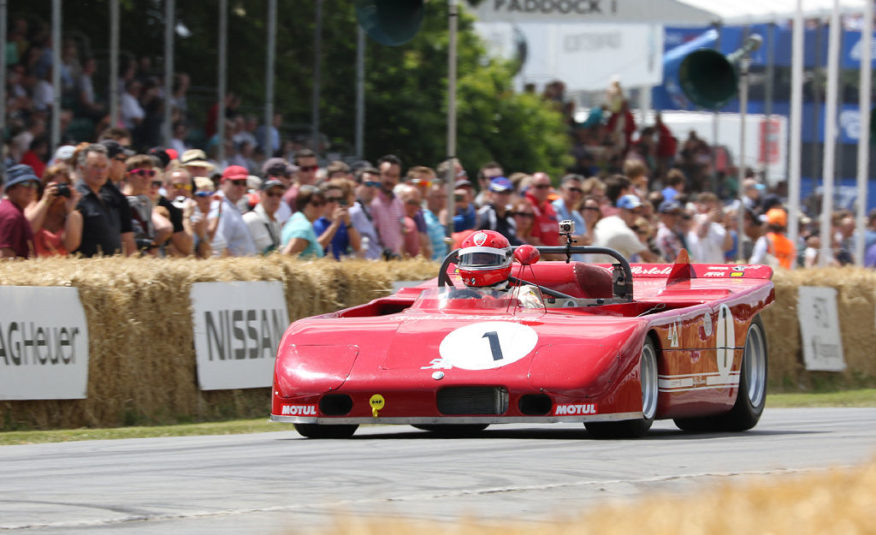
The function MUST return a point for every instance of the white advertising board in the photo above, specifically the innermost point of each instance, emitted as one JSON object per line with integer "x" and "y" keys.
{"x": 238, "y": 326}
{"x": 43, "y": 343}
{"x": 819, "y": 327}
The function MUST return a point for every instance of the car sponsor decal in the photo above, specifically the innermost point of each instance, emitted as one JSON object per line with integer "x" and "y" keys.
{"x": 298, "y": 410}
{"x": 377, "y": 403}
{"x": 484, "y": 346}
{"x": 575, "y": 409}
{"x": 673, "y": 335}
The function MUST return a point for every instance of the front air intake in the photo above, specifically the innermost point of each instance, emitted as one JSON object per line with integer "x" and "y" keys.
{"x": 461, "y": 400}
{"x": 335, "y": 404}
{"x": 535, "y": 404}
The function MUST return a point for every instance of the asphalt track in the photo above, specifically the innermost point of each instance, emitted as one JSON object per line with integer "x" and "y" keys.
{"x": 279, "y": 482}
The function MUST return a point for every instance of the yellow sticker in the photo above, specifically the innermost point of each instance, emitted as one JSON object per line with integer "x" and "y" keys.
{"x": 737, "y": 273}
{"x": 377, "y": 403}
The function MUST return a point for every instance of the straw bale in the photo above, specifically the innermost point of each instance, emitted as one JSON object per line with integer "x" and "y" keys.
{"x": 836, "y": 501}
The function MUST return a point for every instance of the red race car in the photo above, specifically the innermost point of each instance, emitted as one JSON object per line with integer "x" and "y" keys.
{"x": 613, "y": 346}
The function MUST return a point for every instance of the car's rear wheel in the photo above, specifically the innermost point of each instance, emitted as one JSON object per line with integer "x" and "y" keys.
{"x": 635, "y": 428}
{"x": 751, "y": 397}
{"x": 452, "y": 430}
{"x": 326, "y": 431}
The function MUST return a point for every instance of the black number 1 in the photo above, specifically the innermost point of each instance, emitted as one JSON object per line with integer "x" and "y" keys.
{"x": 494, "y": 344}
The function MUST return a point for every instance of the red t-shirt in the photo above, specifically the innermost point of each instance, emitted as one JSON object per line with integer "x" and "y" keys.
{"x": 545, "y": 226}
{"x": 15, "y": 230}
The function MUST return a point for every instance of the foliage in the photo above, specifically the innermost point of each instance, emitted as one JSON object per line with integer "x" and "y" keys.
{"x": 406, "y": 86}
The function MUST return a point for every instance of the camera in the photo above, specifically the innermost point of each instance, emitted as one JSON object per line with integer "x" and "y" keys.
{"x": 63, "y": 190}
{"x": 343, "y": 202}
{"x": 567, "y": 226}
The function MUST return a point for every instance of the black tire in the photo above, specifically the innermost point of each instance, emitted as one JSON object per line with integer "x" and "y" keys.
{"x": 751, "y": 397}
{"x": 326, "y": 431}
{"x": 635, "y": 428}
{"x": 452, "y": 430}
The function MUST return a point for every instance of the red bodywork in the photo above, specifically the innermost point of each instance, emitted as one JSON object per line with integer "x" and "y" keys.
{"x": 384, "y": 362}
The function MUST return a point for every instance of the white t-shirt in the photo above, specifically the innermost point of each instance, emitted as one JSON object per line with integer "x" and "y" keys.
{"x": 710, "y": 248}
{"x": 613, "y": 232}
{"x": 265, "y": 231}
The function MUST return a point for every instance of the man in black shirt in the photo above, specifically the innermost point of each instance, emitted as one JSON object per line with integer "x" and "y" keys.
{"x": 117, "y": 155}
{"x": 496, "y": 215}
{"x": 101, "y": 211}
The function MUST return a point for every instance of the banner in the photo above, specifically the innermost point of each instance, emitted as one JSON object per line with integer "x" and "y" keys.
{"x": 238, "y": 327}
{"x": 43, "y": 343}
{"x": 577, "y": 11}
{"x": 820, "y": 329}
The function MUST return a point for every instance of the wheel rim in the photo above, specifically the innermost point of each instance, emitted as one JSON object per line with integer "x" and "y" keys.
{"x": 754, "y": 365}
{"x": 649, "y": 382}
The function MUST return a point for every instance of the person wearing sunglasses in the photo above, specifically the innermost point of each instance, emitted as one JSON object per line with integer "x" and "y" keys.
{"x": 387, "y": 209}
{"x": 150, "y": 230}
{"x": 567, "y": 206}
{"x": 117, "y": 155}
{"x": 367, "y": 180}
{"x": 306, "y": 166}
{"x": 233, "y": 237}
{"x": 496, "y": 213}
{"x": 524, "y": 218}
{"x": 16, "y": 234}
{"x": 262, "y": 221}
{"x": 299, "y": 237}
{"x": 335, "y": 227}
{"x": 204, "y": 229}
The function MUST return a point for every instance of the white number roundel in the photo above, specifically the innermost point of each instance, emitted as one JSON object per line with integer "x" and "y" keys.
{"x": 487, "y": 345}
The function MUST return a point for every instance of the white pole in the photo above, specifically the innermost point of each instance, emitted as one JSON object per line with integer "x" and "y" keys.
{"x": 269, "y": 76}
{"x": 796, "y": 126}
{"x": 222, "y": 68}
{"x": 360, "y": 93}
{"x": 451, "y": 110}
{"x": 56, "y": 75}
{"x": 864, "y": 136}
{"x": 169, "y": 24}
{"x": 114, "y": 63}
{"x": 830, "y": 104}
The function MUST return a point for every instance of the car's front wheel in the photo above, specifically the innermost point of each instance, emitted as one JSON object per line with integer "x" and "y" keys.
{"x": 326, "y": 431}
{"x": 635, "y": 428}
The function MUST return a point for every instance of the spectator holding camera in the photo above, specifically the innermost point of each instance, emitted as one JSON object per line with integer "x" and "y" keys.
{"x": 708, "y": 239}
{"x": 368, "y": 181}
{"x": 337, "y": 221}
{"x": 150, "y": 230}
{"x": 56, "y": 224}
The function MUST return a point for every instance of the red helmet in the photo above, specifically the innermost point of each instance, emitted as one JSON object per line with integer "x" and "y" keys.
{"x": 484, "y": 259}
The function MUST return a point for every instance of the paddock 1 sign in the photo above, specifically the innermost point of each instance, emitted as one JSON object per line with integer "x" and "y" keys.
{"x": 43, "y": 343}
{"x": 238, "y": 326}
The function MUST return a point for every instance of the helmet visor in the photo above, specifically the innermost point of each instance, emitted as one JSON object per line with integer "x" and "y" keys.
{"x": 477, "y": 260}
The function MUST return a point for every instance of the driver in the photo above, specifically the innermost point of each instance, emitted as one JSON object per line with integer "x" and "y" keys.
{"x": 484, "y": 261}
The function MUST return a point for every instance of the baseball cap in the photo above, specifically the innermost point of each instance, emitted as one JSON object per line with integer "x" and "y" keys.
{"x": 667, "y": 207}
{"x": 195, "y": 158}
{"x": 272, "y": 183}
{"x": 463, "y": 183}
{"x": 235, "y": 172}
{"x": 629, "y": 202}
{"x": 19, "y": 174}
{"x": 500, "y": 184}
{"x": 776, "y": 216}
{"x": 114, "y": 148}
{"x": 64, "y": 152}
{"x": 277, "y": 167}
{"x": 161, "y": 154}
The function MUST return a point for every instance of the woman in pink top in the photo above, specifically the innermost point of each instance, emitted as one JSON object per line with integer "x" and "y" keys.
{"x": 57, "y": 225}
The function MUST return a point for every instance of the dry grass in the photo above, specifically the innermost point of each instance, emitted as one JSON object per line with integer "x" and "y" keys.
{"x": 835, "y": 502}
{"x": 142, "y": 362}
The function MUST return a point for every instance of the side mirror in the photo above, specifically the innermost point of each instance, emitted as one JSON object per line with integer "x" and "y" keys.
{"x": 526, "y": 255}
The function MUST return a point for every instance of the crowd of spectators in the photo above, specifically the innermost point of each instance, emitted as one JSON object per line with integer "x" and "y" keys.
{"x": 636, "y": 190}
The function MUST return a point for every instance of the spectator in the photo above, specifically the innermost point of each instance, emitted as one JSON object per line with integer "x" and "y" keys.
{"x": 101, "y": 210}
{"x": 674, "y": 185}
{"x": 774, "y": 248}
{"x": 344, "y": 239}
{"x": 273, "y": 134}
{"x": 56, "y": 224}
{"x": 141, "y": 173}
{"x": 615, "y": 232}
{"x": 387, "y": 210}
{"x": 35, "y": 157}
{"x": 117, "y": 156}
{"x": 204, "y": 229}
{"x": 282, "y": 171}
{"x": 87, "y": 104}
{"x": 299, "y": 237}
{"x": 752, "y": 190}
{"x": 305, "y": 175}
{"x": 616, "y": 186}
{"x": 435, "y": 215}
{"x": 496, "y": 213}
{"x": 870, "y": 231}
{"x": 546, "y": 226}
{"x": 196, "y": 163}
{"x": 178, "y": 141}
{"x": 486, "y": 174}
{"x": 708, "y": 240}
{"x": 567, "y": 207}
{"x": 669, "y": 237}
{"x": 667, "y": 146}
{"x": 338, "y": 169}
{"x": 466, "y": 217}
{"x": 416, "y": 240}
{"x": 232, "y": 229}
{"x": 263, "y": 225}
{"x": 368, "y": 182}
{"x": 178, "y": 185}
{"x": 870, "y": 257}
{"x": 131, "y": 111}
{"x": 16, "y": 234}
{"x": 524, "y": 219}
{"x": 637, "y": 172}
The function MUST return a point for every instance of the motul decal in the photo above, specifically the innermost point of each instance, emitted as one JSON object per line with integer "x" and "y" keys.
{"x": 299, "y": 410}
{"x": 576, "y": 409}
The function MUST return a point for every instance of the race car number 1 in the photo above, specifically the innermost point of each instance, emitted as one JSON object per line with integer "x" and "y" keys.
{"x": 487, "y": 345}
